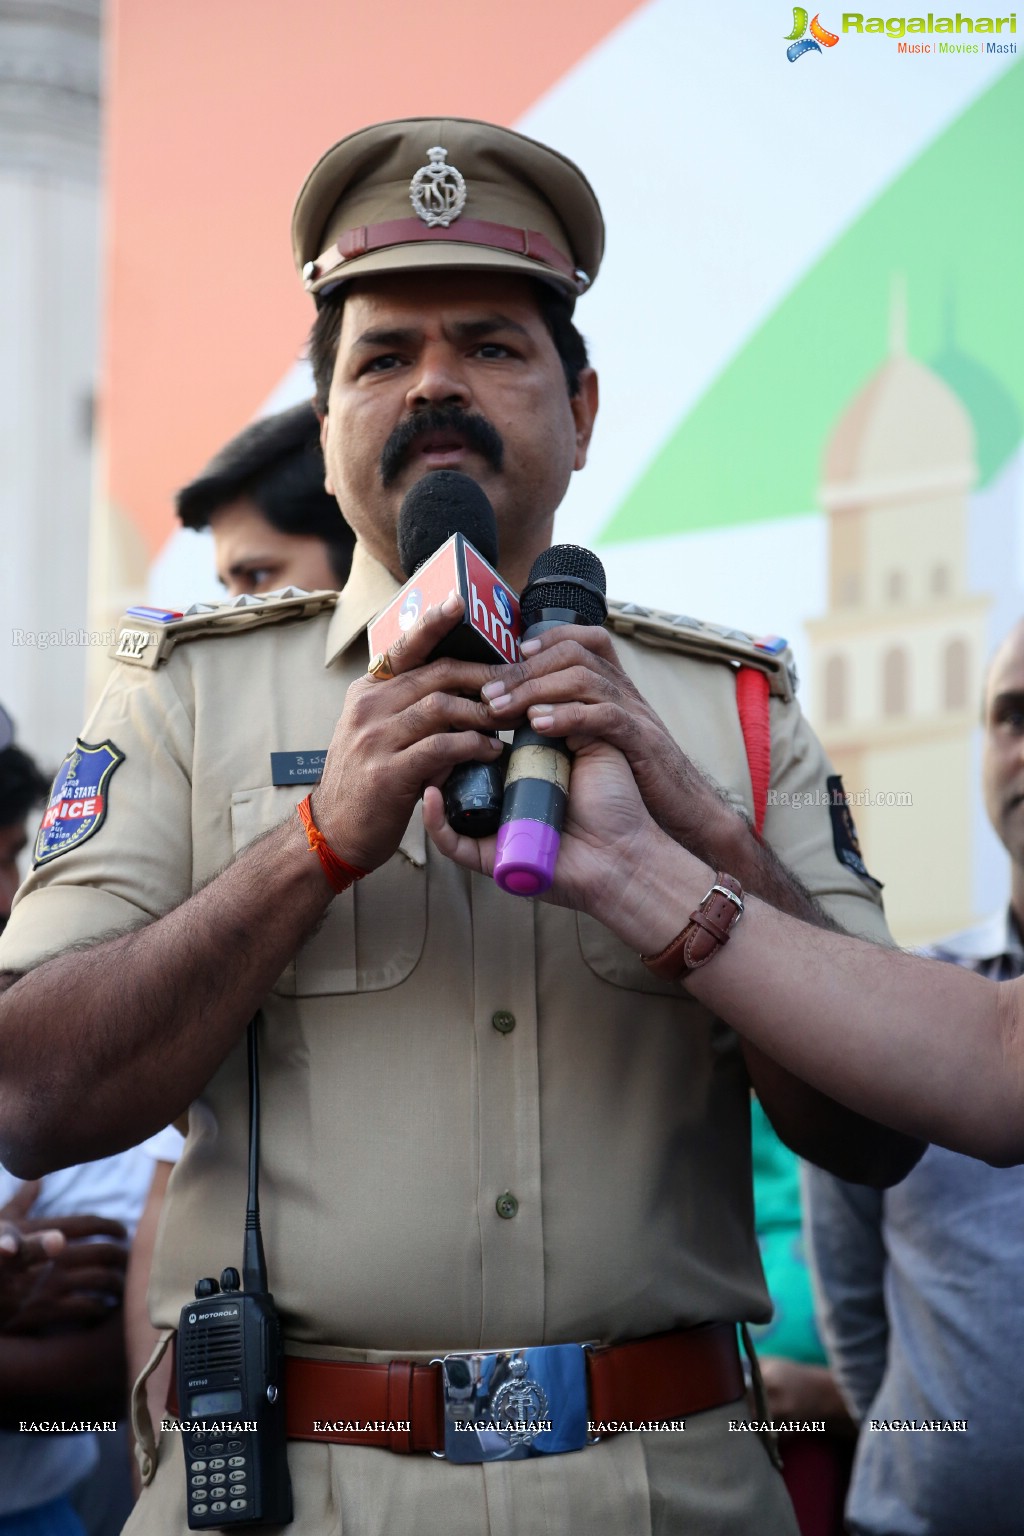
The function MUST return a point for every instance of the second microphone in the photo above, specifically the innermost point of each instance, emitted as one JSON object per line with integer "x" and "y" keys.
{"x": 566, "y": 586}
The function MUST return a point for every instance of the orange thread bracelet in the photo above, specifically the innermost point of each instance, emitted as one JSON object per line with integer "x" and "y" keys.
{"x": 340, "y": 874}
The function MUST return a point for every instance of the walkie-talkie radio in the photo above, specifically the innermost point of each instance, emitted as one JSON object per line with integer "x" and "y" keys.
{"x": 230, "y": 1375}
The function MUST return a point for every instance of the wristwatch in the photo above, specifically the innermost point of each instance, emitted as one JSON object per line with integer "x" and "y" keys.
{"x": 705, "y": 933}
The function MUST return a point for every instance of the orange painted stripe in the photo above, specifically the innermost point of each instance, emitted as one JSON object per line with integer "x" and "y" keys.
{"x": 216, "y": 111}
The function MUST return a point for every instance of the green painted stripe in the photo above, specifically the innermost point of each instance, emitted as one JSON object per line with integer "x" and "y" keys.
{"x": 953, "y": 223}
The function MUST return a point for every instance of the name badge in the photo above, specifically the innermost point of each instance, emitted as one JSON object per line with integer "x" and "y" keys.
{"x": 297, "y": 767}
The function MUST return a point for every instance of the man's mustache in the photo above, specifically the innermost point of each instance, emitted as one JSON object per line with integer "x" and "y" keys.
{"x": 474, "y": 430}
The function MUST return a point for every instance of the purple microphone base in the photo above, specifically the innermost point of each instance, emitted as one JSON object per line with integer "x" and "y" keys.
{"x": 524, "y": 861}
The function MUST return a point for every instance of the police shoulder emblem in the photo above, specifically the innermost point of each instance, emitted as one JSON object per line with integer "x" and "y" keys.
{"x": 844, "y": 833}
{"x": 437, "y": 191}
{"x": 78, "y": 800}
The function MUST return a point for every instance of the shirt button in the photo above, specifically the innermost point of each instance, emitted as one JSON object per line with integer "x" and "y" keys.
{"x": 506, "y": 1206}
{"x": 503, "y": 1021}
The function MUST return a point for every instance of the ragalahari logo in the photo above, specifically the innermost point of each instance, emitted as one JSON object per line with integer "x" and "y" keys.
{"x": 799, "y": 44}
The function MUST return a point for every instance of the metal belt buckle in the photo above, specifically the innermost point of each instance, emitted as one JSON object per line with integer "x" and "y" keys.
{"x": 505, "y": 1405}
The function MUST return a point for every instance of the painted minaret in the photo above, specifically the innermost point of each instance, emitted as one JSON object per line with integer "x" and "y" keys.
{"x": 899, "y": 655}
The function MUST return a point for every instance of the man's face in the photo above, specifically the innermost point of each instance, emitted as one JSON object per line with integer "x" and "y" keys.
{"x": 461, "y": 344}
{"x": 254, "y": 556}
{"x": 1003, "y": 757}
{"x": 13, "y": 838}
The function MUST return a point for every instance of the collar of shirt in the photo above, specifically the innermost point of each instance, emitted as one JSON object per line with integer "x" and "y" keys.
{"x": 368, "y": 589}
{"x": 997, "y": 938}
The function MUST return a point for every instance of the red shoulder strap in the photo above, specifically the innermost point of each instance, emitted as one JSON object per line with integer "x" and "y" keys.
{"x": 752, "y": 704}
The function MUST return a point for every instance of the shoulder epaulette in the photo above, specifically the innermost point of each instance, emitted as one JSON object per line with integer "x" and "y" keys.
{"x": 147, "y": 636}
{"x": 712, "y": 642}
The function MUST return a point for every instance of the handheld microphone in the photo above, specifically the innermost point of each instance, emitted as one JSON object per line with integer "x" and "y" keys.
{"x": 448, "y": 539}
{"x": 566, "y": 586}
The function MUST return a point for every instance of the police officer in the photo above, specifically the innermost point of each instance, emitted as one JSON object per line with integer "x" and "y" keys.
{"x": 488, "y": 1128}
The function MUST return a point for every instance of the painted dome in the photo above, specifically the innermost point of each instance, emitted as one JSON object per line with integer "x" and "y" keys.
{"x": 904, "y": 431}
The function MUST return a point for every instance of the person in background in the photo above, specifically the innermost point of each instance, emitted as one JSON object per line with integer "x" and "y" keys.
{"x": 262, "y": 497}
{"x": 919, "y": 1285}
{"x": 23, "y": 786}
{"x": 63, "y": 1250}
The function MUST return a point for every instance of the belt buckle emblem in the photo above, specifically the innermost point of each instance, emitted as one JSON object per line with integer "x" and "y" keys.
{"x": 520, "y": 1402}
{"x": 505, "y": 1405}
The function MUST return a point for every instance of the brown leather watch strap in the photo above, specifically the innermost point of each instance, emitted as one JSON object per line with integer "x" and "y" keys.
{"x": 705, "y": 933}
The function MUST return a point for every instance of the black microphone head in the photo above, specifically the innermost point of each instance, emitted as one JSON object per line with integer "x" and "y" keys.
{"x": 442, "y": 503}
{"x": 565, "y": 576}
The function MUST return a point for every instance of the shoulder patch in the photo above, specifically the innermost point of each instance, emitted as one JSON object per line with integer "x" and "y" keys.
{"x": 77, "y": 806}
{"x": 147, "y": 636}
{"x": 711, "y": 642}
{"x": 844, "y": 833}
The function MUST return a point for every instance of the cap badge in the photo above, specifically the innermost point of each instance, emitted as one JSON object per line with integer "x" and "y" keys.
{"x": 437, "y": 191}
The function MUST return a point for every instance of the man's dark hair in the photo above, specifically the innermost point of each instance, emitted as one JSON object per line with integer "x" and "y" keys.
{"x": 555, "y": 311}
{"x": 276, "y": 462}
{"x": 23, "y": 785}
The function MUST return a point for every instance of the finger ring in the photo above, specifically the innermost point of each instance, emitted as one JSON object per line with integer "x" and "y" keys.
{"x": 380, "y": 667}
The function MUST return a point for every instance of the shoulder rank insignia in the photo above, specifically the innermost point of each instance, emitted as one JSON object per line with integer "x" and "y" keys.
{"x": 712, "y": 642}
{"x": 147, "y": 636}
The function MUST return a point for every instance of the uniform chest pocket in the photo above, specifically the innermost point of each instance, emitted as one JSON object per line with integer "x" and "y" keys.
{"x": 373, "y": 934}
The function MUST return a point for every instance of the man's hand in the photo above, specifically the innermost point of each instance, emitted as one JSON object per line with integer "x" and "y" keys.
{"x": 607, "y": 841}
{"x": 102, "y": 1046}
{"x": 23, "y": 1245}
{"x": 571, "y": 683}
{"x": 397, "y": 736}
{"x": 796, "y": 1391}
{"x": 72, "y": 1283}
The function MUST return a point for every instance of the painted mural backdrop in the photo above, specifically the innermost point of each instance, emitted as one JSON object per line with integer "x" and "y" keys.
{"x": 808, "y": 328}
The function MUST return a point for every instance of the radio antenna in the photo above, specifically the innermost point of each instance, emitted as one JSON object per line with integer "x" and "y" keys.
{"x": 254, "y": 1262}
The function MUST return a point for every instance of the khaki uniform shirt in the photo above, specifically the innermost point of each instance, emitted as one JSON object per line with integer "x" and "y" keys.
{"x": 395, "y": 1111}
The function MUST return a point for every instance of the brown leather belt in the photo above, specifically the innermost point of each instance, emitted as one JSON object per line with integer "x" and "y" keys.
{"x": 660, "y": 1378}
